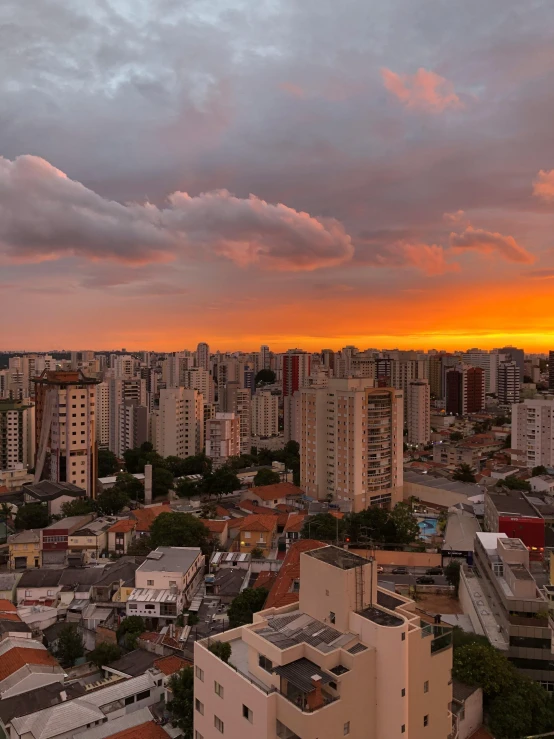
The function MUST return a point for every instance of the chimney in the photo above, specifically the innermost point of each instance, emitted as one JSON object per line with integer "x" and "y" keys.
{"x": 315, "y": 697}
{"x": 147, "y": 484}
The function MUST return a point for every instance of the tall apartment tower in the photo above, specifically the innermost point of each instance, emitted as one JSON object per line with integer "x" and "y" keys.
{"x": 132, "y": 426}
{"x": 516, "y": 355}
{"x": 180, "y": 423}
{"x": 509, "y": 383}
{"x": 351, "y": 442}
{"x": 347, "y": 659}
{"x": 296, "y": 369}
{"x": 465, "y": 389}
{"x": 103, "y": 415}
{"x": 203, "y": 356}
{"x": 222, "y": 438}
{"x": 236, "y": 399}
{"x": 200, "y": 379}
{"x": 17, "y": 434}
{"x": 119, "y": 391}
{"x": 65, "y": 424}
{"x": 533, "y": 431}
{"x": 265, "y": 414}
{"x": 419, "y": 412}
{"x": 551, "y": 371}
{"x": 265, "y": 359}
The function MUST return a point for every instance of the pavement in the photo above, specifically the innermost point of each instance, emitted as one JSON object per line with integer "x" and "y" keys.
{"x": 410, "y": 578}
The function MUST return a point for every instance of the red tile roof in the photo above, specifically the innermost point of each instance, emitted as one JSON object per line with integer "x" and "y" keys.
{"x": 122, "y": 526}
{"x": 145, "y": 516}
{"x": 252, "y": 507}
{"x": 280, "y": 594}
{"x": 279, "y": 490}
{"x": 265, "y": 579}
{"x": 295, "y": 522}
{"x": 16, "y": 658}
{"x": 285, "y": 508}
{"x": 9, "y": 616}
{"x": 172, "y": 663}
{"x": 148, "y": 730}
{"x": 6, "y": 605}
{"x": 214, "y": 527}
{"x": 221, "y": 511}
{"x": 259, "y": 523}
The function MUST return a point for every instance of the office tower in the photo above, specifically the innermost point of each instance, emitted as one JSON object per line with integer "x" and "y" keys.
{"x": 296, "y": 368}
{"x": 222, "y": 438}
{"x": 516, "y": 355}
{"x": 203, "y": 356}
{"x": 200, "y": 379}
{"x": 132, "y": 426}
{"x": 509, "y": 383}
{"x": 419, "y": 412}
{"x": 17, "y": 434}
{"x": 465, "y": 390}
{"x": 551, "y": 371}
{"x": 237, "y": 400}
{"x": 533, "y": 431}
{"x": 180, "y": 423}
{"x": 65, "y": 429}
{"x": 121, "y": 390}
{"x": 265, "y": 359}
{"x": 265, "y": 414}
{"x": 337, "y": 662}
{"x": 351, "y": 442}
{"x": 103, "y": 415}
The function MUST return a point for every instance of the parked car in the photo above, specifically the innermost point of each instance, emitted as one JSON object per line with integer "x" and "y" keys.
{"x": 425, "y": 580}
{"x": 380, "y": 569}
{"x": 400, "y": 571}
{"x": 434, "y": 571}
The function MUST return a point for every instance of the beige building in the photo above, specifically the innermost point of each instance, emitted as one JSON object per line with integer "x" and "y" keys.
{"x": 222, "y": 438}
{"x": 233, "y": 398}
{"x": 351, "y": 442}
{"x": 120, "y": 391}
{"x": 24, "y": 549}
{"x": 265, "y": 414}
{"x": 17, "y": 434}
{"x": 200, "y": 379}
{"x": 179, "y": 423}
{"x": 103, "y": 415}
{"x": 533, "y": 431}
{"x": 348, "y": 659}
{"x": 419, "y": 412}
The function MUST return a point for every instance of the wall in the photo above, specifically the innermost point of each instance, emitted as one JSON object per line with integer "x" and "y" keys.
{"x": 473, "y": 715}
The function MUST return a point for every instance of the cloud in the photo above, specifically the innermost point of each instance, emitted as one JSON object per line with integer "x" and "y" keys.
{"x": 455, "y": 217}
{"x": 423, "y": 90}
{"x": 45, "y": 215}
{"x": 291, "y": 89}
{"x": 487, "y": 242}
{"x": 543, "y": 185}
{"x": 541, "y": 274}
{"x": 405, "y": 252}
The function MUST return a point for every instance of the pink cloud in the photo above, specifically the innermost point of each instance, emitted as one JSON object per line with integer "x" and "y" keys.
{"x": 455, "y": 217}
{"x": 430, "y": 258}
{"x": 423, "y": 90}
{"x": 488, "y": 242}
{"x": 543, "y": 185}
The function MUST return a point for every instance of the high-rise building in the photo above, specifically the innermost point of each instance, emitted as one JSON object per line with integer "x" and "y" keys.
{"x": 132, "y": 426}
{"x": 17, "y": 434}
{"x": 296, "y": 368}
{"x": 465, "y": 389}
{"x": 222, "y": 438}
{"x": 516, "y": 355}
{"x": 346, "y": 659}
{"x": 125, "y": 366}
{"x": 200, "y": 379}
{"x": 235, "y": 399}
{"x": 265, "y": 414}
{"x": 174, "y": 369}
{"x": 180, "y": 423}
{"x": 419, "y": 412}
{"x": 65, "y": 424}
{"x": 488, "y": 361}
{"x": 551, "y": 371}
{"x": 203, "y": 356}
{"x": 351, "y": 442}
{"x": 533, "y": 431}
{"x": 509, "y": 383}
{"x": 121, "y": 390}
{"x": 264, "y": 357}
{"x": 103, "y": 415}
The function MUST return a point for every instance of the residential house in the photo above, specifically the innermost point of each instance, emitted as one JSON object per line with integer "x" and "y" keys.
{"x": 117, "y": 581}
{"x": 8, "y": 582}
{"x": 146, "y": 516}
{"x": 86, "y": 545}
{"x": 25, "y": 664}
{"x": 257, "y": 532}
{"x": 52, "y": 494}
{"x": 34, "y": 700}
{"x": 120, "y": 535}
{"x": 39, "y": 587}
{"x": 24, "y": 549}
{"x": 54, "y": 539}
{"x": 293, "y": 527}
{"x": 11, "y": 625}
{"x": 14, "y": 479}
{"x": 273, "y": 495}
{"x": 137, "y": 725}
{"x": 467, "y": 708}
{"x": 219, "y": 530}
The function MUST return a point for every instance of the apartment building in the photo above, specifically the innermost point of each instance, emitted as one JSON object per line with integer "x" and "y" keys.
{"x": 236, "y": 399}
{"x": 17, "y": 434}
{"x": 533, "y": 431}
{"x": 179, "y": 423}
{"x": 265, "y": 414}
{"x": 132, "y": 426}
{"x": 120, "y": 390}
{"x": 346, "y": 659}
{"x": 222, "y": 438}
{"x": 296, "y": 369}
{"x": 198, "y": 378}
{"x": 419, "y": 412}
{"x": 203, "y": 356}
{"x": 509, "y": 383}
{"x": 65, "y": 424}
{"x": 465, "y": 389}
{"x": 103, "y": 415}
{"x": 351, "y": 442}
{"x": 551, "y": 370}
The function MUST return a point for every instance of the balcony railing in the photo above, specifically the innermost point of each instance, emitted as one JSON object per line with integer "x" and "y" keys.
{"x": 442, "y": 636}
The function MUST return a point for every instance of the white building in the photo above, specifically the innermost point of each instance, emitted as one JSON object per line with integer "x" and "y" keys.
{"x": 203, "y": 356}
{"x": 265, "y": 414}
{"x": 533, "y": 431}
{"x": 180, "y": 423}
{"x": 222, "y": 438}
{"x": 17, "y": 434}
{"x": 198, "y": 378}
{"x": 103, "y": 415}
{"x": 419, "y": 412}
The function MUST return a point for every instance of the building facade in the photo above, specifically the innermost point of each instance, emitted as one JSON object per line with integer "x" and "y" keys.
{"x": 17, "y": 434}
{"x": 465, "y": 390}
{"x": 419, "y": 412}
{"x": 509, "y": 383}
{"x": 265, "y": 414}
{"x": 180, "y": 423}
{"x": 222, "y": 438}
{"x": 533, "y": 431}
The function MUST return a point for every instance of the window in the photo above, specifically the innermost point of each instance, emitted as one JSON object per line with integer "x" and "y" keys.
{"x": 247, "y": 534}
{"x": 403, "y": 729}
{"x": 133, "y": 607}
{"x": 130, "y": 699}
{"x": 403, "y": 692}
{"x": 27, "y": 593}
{"x": 150, "y": 583}
{"x": 199, "y": 673}
{"x": 218, "y": 723}
{"x": 426, "y": 720}
{"x": 265, "y": 663}
{"x": 173, "y": 583}
{"x": 247, "y": 714}
{"x": 198, "y": 735}
{"x": 332, "y": 617}
{"x": 143, "y": 695}
{"x": 403, "y": 636}
{"x": 199, "y": 707}
{"x": 149, "y": 607}
{"x": 346, "y": 728}
{"x": 426, "y": 686}
{"x": 218, "y": 689}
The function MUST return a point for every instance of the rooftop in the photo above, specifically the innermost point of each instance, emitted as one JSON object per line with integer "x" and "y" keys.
{"x": 300, "y": 628}
{"x": 122, "y": 526}
{"x": 39, "y": 578}
{"x": 338, "y": 557}
{"x": 257, "y": 522}
{"x": 378, "y": 616}
{"x": 282, "y": 593}
{"x": 134, "y": 725}
{"x": 29, "y": 536}
{"x": 134, "y": 663}
{"x": 147, "y": 515}
{"x": 461, "y": 528}
{"x": 276, "y": 491}
{"x": 300, "y": 673}
{"x": 170, "y": 559}
{"x": 71, "y": 522}
{"x": 13, "y": 658}
{"x": 49, "y": 490}
{"x": 152, "y": 596}
{"x": 512, "y": 502}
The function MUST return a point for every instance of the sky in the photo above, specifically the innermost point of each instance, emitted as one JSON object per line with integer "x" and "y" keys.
{"x": 314, "y": 174}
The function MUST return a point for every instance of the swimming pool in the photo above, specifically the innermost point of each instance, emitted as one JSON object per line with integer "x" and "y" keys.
{"x": 427, "y": 528}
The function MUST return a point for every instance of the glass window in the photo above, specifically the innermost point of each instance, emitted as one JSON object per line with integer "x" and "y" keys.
{"x": 426, "y": 686}
{"x": 346, "y": 728}
{"x": 218, "y": 689}
{"x": 199, "y": 673}
{"x": 199, "y": 706}
{"x": 219, "y": 725}
{"x": 426, "y": 720}
{"x": 247, "y": 714}
{"x": 265, "y": 663}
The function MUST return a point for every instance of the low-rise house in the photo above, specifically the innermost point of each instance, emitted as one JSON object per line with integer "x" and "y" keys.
{"x": 24, "y": 549}
{"x": 542, "y": 484}
{"x": 52, "y": 494}
{"x": 8, "y": 583}
{"x": 219, "y": 530}
{"x": 11, "y": 625}
{"x": 146, "y": 516}
{"x": 54, "y": 539}
{"x": 120, "y": 535}
{"x": 26, "y": 664}
{"x": 39, "y": 587}
{"x": 137, "y": 725}
{"x": 293, "y": 527}
{"x": 117, "y": 581}
{"x": 467, "y": 709}
{"x": 36, "y": 700}
{"x": 257, "y": 532}
{"x": 273, "y": 495}
{"x": 87, "y": 544}
{"x": 14, "y": 480}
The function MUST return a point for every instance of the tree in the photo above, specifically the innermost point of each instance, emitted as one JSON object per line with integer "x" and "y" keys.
{"x": 129, "y": 630}
{"x": 464, "y": 473}
{"x": 323, "y": 526}
{"x": 514, "y": 483}
{"x": 257, "y": 553}
{"x": 104, "y": 654}
{"x": 485, "y": 666}
{"x": 32, "y": 516}
{"x": 245, "y": 605}
{"x": 265, "y": 376}
{"x": 129, "y": 485}
{"x": 221, "y": 649}
{"x": 527, "y": 709}
{"x": 209, "y": 509}
{"x": 368, "y": 525}
{"x": 266, "y": 476}
{"x": 460, "y": 638}
{"x": 107, "y": 463}
{"x": 113, "y": 501}
{"x": 452, "y": 574}
{"x": 456, "y": 436}
{"x": 402, "y": 525}
{"x": 187, "y": 488}
{"x": 70, "y": 645}
{"x": 178, "y": 530}
{"x": 140, "y": 546}
{"x": 162, "y": 482}
{"x": 221, "y": 482}
{"x": 181, "y": 704}
{"x": 539, "y": 470}
{"x": 79, "y": 507}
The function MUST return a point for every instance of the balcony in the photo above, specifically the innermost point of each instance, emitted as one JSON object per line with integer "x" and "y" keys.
{"x": 441, "y": 636}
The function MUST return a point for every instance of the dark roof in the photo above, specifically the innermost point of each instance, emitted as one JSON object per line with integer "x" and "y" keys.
{"x": 299, "y": 673}
{"x": 387, "y": 600}
{"x": 228, "y": 581}
{"x": 36, "y": 700}
{"x": 357, "y": 648}
{"x": 461, "y": 691}
{"x": 381, "y": 617}
{"x": 513, "y": 502}
{"x": 124, "y": 569}
{"x": 51, "y": 633}
{"x": 338, "y": 557}
{"x": 135, "y": 663}
{"x": 40, "y": 578}
{"x": 7, "y": 626}
{"x": 49, "y": 490}
{"x": 81, "y": 577}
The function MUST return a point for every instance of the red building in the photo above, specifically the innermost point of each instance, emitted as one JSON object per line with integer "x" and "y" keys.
{"x": 511, "y": 513}
{"x": 465, "y": 390}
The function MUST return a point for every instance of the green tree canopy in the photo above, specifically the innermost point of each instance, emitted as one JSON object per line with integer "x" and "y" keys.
{"x": 477, "y": 664}
{"x": 178, "y": 530}
{"x": 187, "y": 488}
{"x": 181, "y": 702}
{"x": 162, "y": 482}
{"x": 104, "y": 654}
{"x": 257, "y": 553}
{"x": 266, "y": 376}
{"x": 539, "y": 470}
{"x": 107, "y": 463}
{"x": 456, "y": 436}
{"x": 323, "y": 526}
{"x": 32, "y": 516}
{"x": 129, "y": 486}
{"x": 136, "y": 459}
{"x": 452, "y": 574}
{"x": 70, "y": 646}
{"x": 222, "y": 481}
{"x": 129, "y": 630}
{"x": 464, "y": 473}
{"x": 527, "y": 709}
{"x": 514, "y": 483}
{"x": 79, "y": 507}
{"x": 112, "y": 501}
{"x": 402, "y": 525}
{"x": 266, "y": 477}
{"x": 140, "y": 546}
{"x": 221, "y": 649}
{"x": 368, "y": 524}
{"x": 245, "y": 605}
